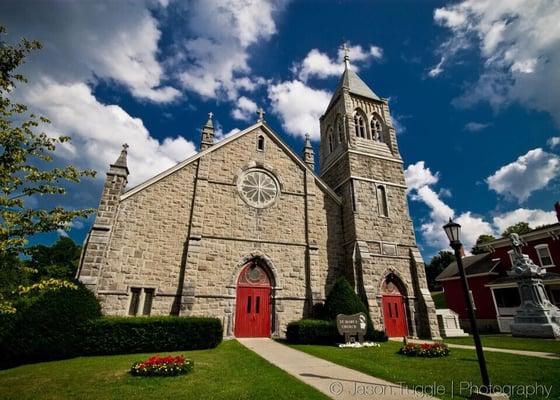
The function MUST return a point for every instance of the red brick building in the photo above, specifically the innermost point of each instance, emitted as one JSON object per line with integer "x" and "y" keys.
{"x": 495, "y": 294}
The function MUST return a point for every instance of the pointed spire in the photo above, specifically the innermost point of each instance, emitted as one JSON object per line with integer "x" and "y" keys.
{"x": 120, "y": 167}
{"x": 308, "y": 154}
{"x": 207, "y": 134}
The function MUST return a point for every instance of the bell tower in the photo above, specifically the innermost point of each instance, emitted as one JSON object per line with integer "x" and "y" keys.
{"x": 361, "y": 162}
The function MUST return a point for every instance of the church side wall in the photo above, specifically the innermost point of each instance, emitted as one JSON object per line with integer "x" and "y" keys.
{"x": 147, "y": 244}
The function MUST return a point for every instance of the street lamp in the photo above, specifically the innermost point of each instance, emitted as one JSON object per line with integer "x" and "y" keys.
{"x": 453, "y": 231}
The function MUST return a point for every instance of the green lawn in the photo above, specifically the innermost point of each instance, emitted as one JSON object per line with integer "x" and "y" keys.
{"x": 509, "y": 342}
{"x": 228, "y": 372}
{"x": 459, "y": 366}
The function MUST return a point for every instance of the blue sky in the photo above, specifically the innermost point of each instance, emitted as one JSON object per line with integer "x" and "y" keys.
{"x": 473, "y": 89}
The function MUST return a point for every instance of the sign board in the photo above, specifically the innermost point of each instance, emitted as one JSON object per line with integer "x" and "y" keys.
{"x": 352, "y": 326}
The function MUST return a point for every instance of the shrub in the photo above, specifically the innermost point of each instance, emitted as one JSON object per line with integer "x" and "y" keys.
{"x": 46, "y": 321}
{"x": 343, "y": 300}
{"x": 424, "y": 350}
{"x": 162, "y": 366}
{"x": 313, "y": 331}
{"x": 120, "y": 335}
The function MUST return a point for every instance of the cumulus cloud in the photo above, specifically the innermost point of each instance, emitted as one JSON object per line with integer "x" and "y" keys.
{"x": 214, "y": 60}
{"x": 244, "y": 109}
{"x": 98, "y": 131}
{"x": 89, "y": 41}
{"x": 320, "y": 65}
{"x": 421, "y": 182}
{"x": 519, "y": 43}
{"x": 298, "y": 107}
{"x": 553, "y": 142}
{"x": 530, "y": 172}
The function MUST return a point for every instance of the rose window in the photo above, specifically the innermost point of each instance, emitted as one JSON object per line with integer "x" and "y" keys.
{"x": 258, "y": 188}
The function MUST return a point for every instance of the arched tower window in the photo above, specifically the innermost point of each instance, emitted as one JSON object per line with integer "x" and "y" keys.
{"x": 376, "y": 129}
{"x": 260, "y": 143}
{"x": 339, "y": 129}
{"x": 382, "y": 201}
{"x": 330, "y": 143}
{"x": 360, "y": 125}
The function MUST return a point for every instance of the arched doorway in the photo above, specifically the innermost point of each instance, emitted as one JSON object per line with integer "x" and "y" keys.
{"x": 394, "y": 311}
{"x": 253, "y": 304}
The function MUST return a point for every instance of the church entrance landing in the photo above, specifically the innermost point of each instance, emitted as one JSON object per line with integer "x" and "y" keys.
{"x": 252, "y": 313}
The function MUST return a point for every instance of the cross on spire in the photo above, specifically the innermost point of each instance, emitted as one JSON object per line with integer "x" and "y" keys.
{"x": 346, "y": 55}
{"x": 125, "y": 147}
{"x": 261, "y": 114}
{"x": 210, "y": 115}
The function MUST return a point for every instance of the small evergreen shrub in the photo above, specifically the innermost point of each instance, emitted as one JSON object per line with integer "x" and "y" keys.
{"x": 430, "y": 350}
{"x": 162, "y": 366}
{"x": 121, "y": 335}
{"x": 313, "y": 331}
{"x": 343, "y": 300}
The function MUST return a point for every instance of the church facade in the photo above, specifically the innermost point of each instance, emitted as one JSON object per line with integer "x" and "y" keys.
{"x": 246, "y": 231}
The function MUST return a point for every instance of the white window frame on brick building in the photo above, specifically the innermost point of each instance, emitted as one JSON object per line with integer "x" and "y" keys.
{"x": 538, "y": 249}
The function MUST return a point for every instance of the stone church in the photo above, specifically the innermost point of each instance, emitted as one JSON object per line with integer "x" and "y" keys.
{"x": 248, "y": 232}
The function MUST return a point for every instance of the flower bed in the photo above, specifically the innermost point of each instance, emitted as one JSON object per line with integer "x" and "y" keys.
{"x": 162, "y": 366}
{"x": 424, "y": 350}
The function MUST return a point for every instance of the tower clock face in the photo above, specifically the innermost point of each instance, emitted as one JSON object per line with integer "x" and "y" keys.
{"x": 258, "y": 188}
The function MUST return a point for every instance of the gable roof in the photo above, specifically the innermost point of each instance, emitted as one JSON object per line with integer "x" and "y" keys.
{"x": 355, "y": 85}
{"x": 474, "y": 265}
{"x": 225, "y": 141}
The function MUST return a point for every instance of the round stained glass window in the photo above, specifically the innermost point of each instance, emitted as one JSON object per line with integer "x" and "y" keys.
{"x": 258, "y": 188}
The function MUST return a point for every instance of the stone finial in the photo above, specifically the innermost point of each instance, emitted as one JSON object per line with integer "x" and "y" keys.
{"x": 522, "y": 264}
{"x": 308, "y": 154}
{"x": 260, "y": 113}
{"x": 120, "y": 167}
{"x": 207, "y": 133}
{"x": 346, "y": 55}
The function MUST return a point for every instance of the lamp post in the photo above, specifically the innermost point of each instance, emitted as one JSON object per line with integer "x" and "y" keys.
{"x": 453, "y": 231}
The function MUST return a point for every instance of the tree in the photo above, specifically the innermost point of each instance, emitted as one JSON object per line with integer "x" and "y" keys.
{"x": 436, "y": 266}
{"x": 520, "y": 228}
{"x": 479, "y": 247}
{"x": 57, "y": 261}
{"x": 25, "y": 155}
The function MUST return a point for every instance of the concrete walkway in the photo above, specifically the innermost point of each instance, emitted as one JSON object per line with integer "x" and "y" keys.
{"x": 540, "y": 354}
{"x": 335, "y": 381}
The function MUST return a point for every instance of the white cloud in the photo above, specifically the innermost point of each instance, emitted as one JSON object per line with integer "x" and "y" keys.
{"x": 244, "y": 109}
{"x": 533, "y": 217}
{"x": 299, "y": 107}
{"x": 219, "y": 133}
{"x": 476, "y": 126}
{"x": 437, "y": 70}
{"x": 320, "y": 65}
{"x": 417, "y": 175}
{"x": 553, "y": 142}
{"x": 421, "y": 181}
{"x": 98, "y": 131}
{"x": 519, "y": 43}
{"x": 88, "y": 41}
{"x": 215, "y": 58}
{"x": 530, "y": 172}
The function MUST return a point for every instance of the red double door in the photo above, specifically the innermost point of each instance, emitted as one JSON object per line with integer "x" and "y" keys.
{"x": 394, "y": 316}
{"x": 252, "y": 316}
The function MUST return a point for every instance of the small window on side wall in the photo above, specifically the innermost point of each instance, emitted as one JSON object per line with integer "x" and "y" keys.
{"x": 260, "y": 143}
{"x": 543, "y": 252}
{"x": 134, "y": 301}
{"x": 148, "y": 299}
{"x": 382, "y": 201}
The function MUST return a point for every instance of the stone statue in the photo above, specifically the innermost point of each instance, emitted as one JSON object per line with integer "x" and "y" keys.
{"x": 536, "y": 316}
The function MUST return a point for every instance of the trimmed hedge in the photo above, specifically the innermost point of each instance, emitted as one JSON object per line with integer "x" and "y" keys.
{"x": 121, "y": 335}
{"x": 313, "y": 331}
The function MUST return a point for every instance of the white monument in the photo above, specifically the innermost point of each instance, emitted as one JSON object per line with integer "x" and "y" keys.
{"x": 448, "y": 321}
{"x": 537, "y": 316}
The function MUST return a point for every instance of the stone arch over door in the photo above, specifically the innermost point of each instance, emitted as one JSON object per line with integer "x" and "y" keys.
{"x": 395, "y": 305}
{"x": 264, "y": 262}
